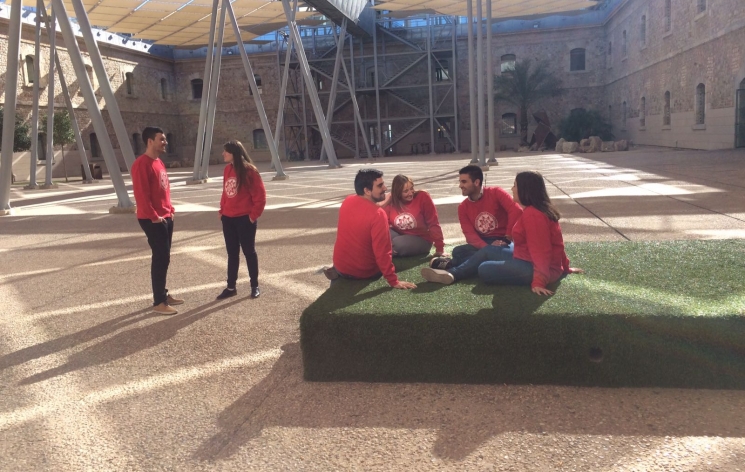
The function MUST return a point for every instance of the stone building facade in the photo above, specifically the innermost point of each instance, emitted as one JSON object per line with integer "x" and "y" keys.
{"x": 664, "y": 72}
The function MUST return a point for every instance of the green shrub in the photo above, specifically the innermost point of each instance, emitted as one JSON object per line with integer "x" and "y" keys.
{"x": 22, "y": 137}
{"x": 581, "y": 124}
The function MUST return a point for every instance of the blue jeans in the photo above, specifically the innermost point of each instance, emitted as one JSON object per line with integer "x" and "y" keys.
{"x": 463, "y": 252}
{"x": 508, "y": 272}
{"x": 470, "y": 268}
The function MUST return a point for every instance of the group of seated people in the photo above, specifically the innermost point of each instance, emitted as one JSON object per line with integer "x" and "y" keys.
{"x": 510, "y": 240}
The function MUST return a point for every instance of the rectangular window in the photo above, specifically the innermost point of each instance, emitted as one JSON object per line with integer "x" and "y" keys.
{"x": 577, "y": 59}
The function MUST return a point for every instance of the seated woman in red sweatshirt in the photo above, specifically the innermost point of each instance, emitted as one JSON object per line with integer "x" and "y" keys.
{"x": 538, "y": 257}
{"x": 243, "y": 200}
{"x": 413, "y": 221}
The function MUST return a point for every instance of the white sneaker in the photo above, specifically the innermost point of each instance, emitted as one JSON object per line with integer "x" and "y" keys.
{"x": 438, "y": 276}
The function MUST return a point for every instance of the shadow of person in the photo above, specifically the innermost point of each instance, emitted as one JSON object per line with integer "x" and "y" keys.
{"x": 465, "y": 416}
{"x": 129, "y": 342}
{"x": 74, "y": 339}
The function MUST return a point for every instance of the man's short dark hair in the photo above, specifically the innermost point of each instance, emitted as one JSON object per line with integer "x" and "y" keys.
{"x": 149, "y": 133}
{"x": 365, "y": 179}
{"x": 474, "y": 172}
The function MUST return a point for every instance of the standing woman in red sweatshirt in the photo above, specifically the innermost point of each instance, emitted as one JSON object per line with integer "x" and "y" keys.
{"x": 538, "y": 257}
{"x": 243, "y": 200}
{"x": 413, "y": 221}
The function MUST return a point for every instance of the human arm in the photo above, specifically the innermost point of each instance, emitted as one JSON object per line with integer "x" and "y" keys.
{"x": 431, "y": 220}
{"x": 466, "y": 225}
{"x": 142, "y": 192}
{"x": 381, "y": 246}
{"x": 258, "y": 195}
{"x": 513, "y": 209}
{"x": 538, "y": 240}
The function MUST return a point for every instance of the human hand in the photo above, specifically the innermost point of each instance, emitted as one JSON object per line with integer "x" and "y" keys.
{"x": 575, "y": 270}
{"x": 541, "y": 291}
{"x": 499, "y": 243}
{"x": 219, "y": 216}
{"x": 404, "y": 285}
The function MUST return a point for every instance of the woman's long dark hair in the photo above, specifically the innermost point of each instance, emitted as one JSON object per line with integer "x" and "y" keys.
{"x": 242, "y": 162}
{"x": 397, "y": 191}
{"x": 531, "y": 190}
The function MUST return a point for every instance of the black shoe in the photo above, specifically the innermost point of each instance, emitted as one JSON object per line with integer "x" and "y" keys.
{"x": 330, "y": 273}
{"x": 255, "y": 292}
{"x": 442, "y": 263}
{"x": 227, "y": 293}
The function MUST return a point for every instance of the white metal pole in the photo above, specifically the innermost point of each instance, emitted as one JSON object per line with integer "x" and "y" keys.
{"x": 431, "y": 92}
{"x": 472, "y": 85}
{"x": 352, "y": 91}
{"x": 9, "y": 109}
{"x": 480, "y": 81}
{"x": 454, "y": 78}
{"x": 490, "y": 85}
{"x": 35, "y": 107}
{"x": 52, "y": 32}
{"x": 335, "y": 80}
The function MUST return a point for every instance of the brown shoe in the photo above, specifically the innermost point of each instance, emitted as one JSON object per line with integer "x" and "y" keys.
{"x": 164, "y": 309}
{"x": 174, "y": 301}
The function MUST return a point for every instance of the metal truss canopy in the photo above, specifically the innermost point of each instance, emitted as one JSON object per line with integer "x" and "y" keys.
{"x": 187, "y": 22}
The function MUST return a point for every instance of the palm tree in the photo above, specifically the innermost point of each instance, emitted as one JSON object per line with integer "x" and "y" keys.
{"x": 524, "y": 86}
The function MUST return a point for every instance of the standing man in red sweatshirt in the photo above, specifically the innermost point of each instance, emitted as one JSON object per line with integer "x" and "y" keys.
{"x": 152, "y": 192}
{"x": 486, "y": 216}
{"x": 363, "y": 241}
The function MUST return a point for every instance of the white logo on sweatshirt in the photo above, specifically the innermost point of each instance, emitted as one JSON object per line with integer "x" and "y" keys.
{"x": 163, "y": 180}
{"x": 231, "y": 187}
{"x": 486, "y": 223}
{"x": 404, "y": 221}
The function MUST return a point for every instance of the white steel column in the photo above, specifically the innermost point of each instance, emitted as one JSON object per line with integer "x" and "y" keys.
{"x": 124, "y": 204}
{"x": 429, "y": 81}
{"x": 282, "y": 97}
{"x": 454, "y": 78}
{"x": 490, "y": 85}
{"x": 52, "y": 33}
{"x": 87, "y": 178}
{"x": 35, "y": 107}
{"x": 257, "y": 97}
{"x": 335, "y": 80}
{"x": 9, "y": 110}
{"x": 352, "y": 91}
{"x": 379, "y": 136}
{"x": 480, "y": 80}
{"x": 212, "y": 99}
{"x": 472, "y": 85}
{"x": 312, "y": 91}
{"x": 115, "y": 115}
{"x": 199, "y": 146}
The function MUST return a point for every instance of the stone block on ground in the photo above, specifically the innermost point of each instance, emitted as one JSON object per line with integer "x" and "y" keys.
{"x": 570, "y": 147}
{"x": 560, "y": 145}
{"x": 608, "y": 146}
{"x": 622, "y": 145}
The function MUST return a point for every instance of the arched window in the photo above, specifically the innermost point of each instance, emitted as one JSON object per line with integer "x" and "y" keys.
{"x": 625, "y": 115}
{"x": 95, "y": 148}
{"x": 643, "y": 112}
{"x": 129, "y": 83}
{"x": 700, "y": 104}
{"x": 196, "y": 89}
{"x": 643, "y": 31}
{"x": 701, "y": 6}
{"x": 668, "y": 15}
{"x": 508, "y": 63}
{"x": 136, "y": 143}
{"x": 509, "y": 123}
{"x": 30, "y": 72}
{"x": 171, "y": 146}
{"x": 260, "y": 140}
{"x": 666, "y": 114}
{"x": 163, "y": 89}
{"x": 624, "y": 45}
{"x": 577, "y": 59}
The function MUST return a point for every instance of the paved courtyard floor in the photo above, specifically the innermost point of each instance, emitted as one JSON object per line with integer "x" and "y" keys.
{"x": 90, "y": 380}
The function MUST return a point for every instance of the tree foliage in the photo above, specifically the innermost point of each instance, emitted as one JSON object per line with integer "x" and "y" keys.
{"x": 21, "y": 137}
{"x": 524, "y": 86}
{"x": 62, "y": 130}
{"x": 581, "y": 124}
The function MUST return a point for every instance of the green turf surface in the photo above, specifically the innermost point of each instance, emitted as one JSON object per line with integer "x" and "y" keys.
{"x": 669, "y": 314}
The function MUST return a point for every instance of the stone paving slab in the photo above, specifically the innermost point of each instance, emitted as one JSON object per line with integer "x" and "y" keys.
{"x": 90, "y": 381}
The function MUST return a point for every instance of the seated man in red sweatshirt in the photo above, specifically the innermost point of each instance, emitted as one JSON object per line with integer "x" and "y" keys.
{"x": 486, "y": 217}
{"x": 363, "y": 241}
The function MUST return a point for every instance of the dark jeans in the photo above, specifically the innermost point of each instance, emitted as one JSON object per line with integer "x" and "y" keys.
{"x": 462, "y": 253}
{"x": 239, "y": 234}
{"x": 352, "y": 277}
{"x": 471, "y": 266}
{"x": 159, "y": 237}
{"x": 511, "y": 272}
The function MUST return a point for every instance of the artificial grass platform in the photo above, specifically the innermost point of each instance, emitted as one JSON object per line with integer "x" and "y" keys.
{"x": 663, "y": 314}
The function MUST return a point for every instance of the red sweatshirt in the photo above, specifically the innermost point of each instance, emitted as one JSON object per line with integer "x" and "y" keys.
{"x": 418, "y": 218}
{"x": 249, "y": 200}
{"x": 363, "y": 242}
{"x": 491, "y": 216}
{"x": 151, "y": 188}
{"x": 538, "y": 240}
